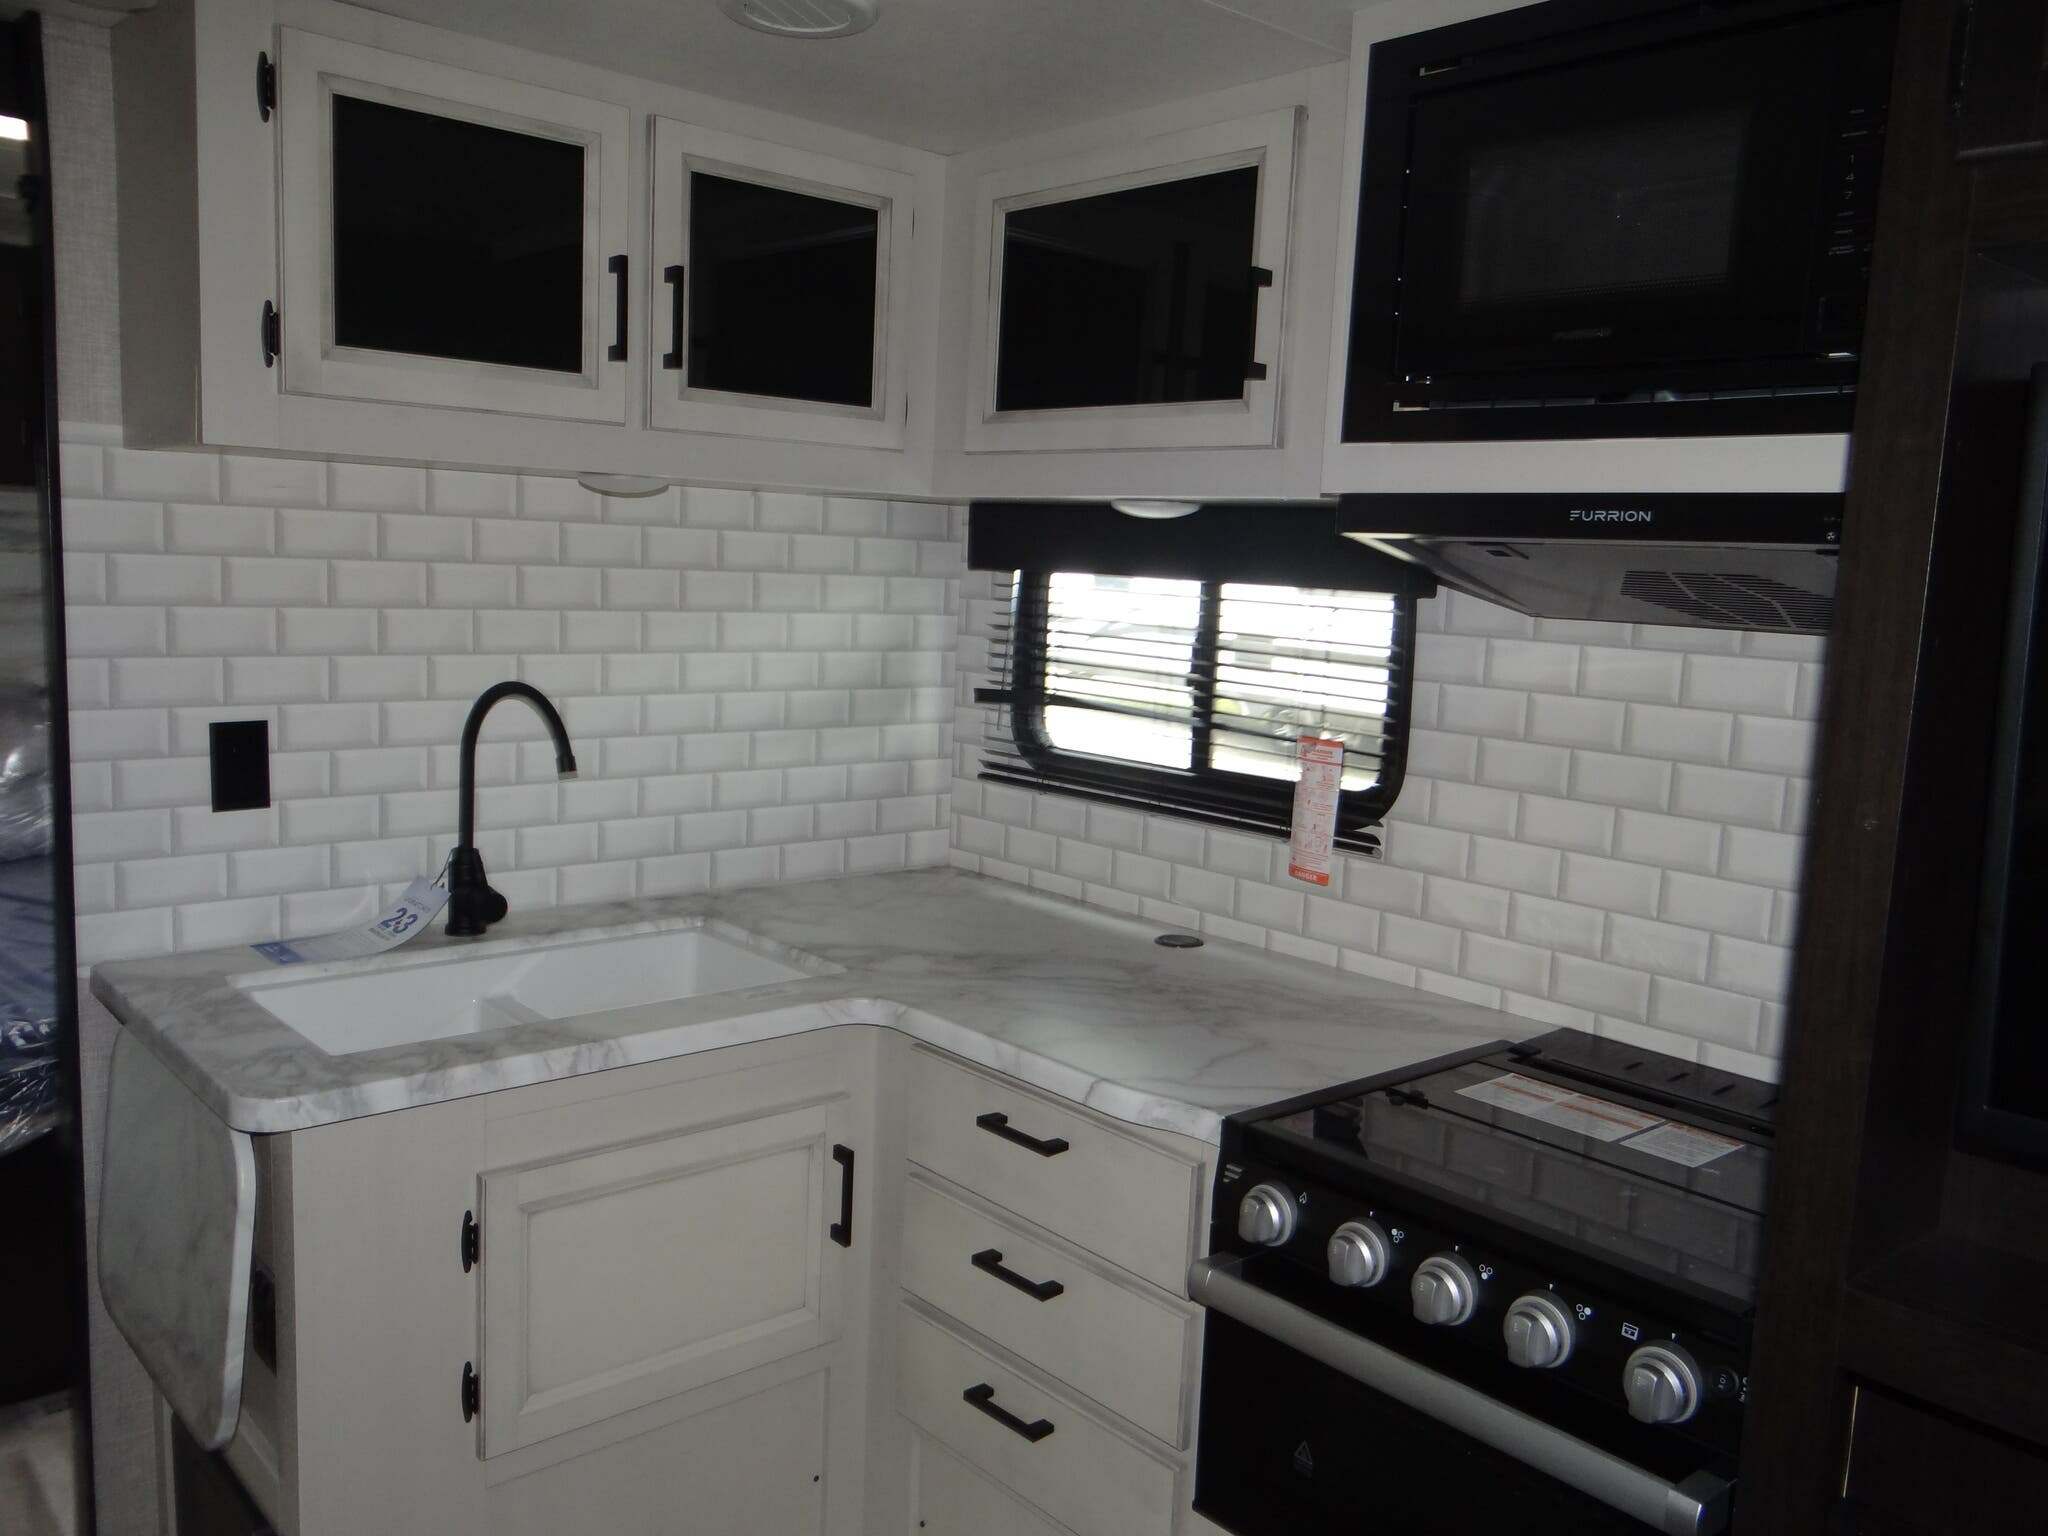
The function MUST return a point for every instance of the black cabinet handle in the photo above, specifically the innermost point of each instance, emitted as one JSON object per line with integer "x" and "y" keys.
{"x": 1254, "y": 369}
{"x": 617, "y": 350}
{"x": 673, "y": 357}
{"x": 842, "y": 1229}
{"x": 999, "y": 1125}
{"x": 990, "y": 1262}
{"x": 983, "y": 1397}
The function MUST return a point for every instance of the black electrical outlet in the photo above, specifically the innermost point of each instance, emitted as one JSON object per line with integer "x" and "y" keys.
{"x": 241, "y": 764}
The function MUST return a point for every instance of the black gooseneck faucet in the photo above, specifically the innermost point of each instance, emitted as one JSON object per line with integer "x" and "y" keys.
{"x": 473, "y": 905}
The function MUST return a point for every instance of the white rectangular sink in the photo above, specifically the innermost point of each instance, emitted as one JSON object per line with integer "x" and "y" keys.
{"x": 400, "y": 1000}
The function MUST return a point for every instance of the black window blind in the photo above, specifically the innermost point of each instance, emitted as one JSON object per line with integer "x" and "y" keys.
{"x": 1161, "y": 686}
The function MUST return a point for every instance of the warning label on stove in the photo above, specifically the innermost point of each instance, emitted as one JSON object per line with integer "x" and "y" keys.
{"x": 1564, "y": 1108}
{"x": 1683, "y": 1144}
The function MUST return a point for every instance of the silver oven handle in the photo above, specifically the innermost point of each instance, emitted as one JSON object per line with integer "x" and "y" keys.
{"x": 1697, "y": 1506}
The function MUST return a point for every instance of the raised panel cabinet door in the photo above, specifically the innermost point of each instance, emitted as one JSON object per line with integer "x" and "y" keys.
{"x": 1132, "y": 297}
{"x": 751, "y": 1467}
{"x": 449, "y": 238}
{"x": 780, "y": 291}
{"x": 621, "y": 1276}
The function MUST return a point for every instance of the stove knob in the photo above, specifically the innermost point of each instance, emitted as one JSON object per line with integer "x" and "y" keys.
{"x": 1538, "y": 1331}
{"x": 1444, "y": 1290}
{"x": 1662, "y": 1384}
{"x": 1266, "y": 1215}
{"x": 1358, "y": 1254}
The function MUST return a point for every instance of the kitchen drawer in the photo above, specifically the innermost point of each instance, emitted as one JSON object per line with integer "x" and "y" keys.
{"x": 1044, "y": 1445}
{"x": 1127, "y": 1348}
{"x": 1128, "y": 1200}
{"x": 950, "y": 1498}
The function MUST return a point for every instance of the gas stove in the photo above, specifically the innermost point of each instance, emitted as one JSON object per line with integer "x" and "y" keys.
{"x": 1506, "y": 1290}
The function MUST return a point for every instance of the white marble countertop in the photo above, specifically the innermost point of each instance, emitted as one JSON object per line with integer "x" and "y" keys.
{"x": 1074, "y": 1000}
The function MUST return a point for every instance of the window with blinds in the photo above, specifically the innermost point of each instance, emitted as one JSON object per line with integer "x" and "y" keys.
{"x": 1191, "y": 696}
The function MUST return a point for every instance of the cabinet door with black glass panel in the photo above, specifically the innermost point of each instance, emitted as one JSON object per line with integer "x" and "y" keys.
{"x": 450, "y": 238}
{"x": 1133, "y": 297}
{"x": 782, "y": 291}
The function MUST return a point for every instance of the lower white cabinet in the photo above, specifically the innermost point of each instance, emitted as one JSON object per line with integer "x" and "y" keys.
{"x": 647, "y": 1331}
{"x": 726, "y": 1294}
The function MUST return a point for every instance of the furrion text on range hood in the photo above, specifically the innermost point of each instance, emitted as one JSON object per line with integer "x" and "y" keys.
{"x": 1728, "y": 561}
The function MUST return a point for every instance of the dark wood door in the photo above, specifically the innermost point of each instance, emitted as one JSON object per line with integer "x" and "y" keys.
{"x": 2002, "y": 78}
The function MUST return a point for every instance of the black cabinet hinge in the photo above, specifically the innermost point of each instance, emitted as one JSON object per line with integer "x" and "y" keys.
{"x": 472, "y": 1241}
{"x": 472, "y": 1391}
{"x": 273, "y": 333}
{"x": 266, "y": 86}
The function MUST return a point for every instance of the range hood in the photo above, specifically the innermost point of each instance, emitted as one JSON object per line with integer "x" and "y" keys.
{"x": 1726, "y": 561}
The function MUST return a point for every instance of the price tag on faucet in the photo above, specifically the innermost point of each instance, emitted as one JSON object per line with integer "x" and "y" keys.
{"x": 411, "y": 914}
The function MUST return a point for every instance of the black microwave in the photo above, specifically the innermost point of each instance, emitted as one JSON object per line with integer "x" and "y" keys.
{"x": 1600, "y": 218}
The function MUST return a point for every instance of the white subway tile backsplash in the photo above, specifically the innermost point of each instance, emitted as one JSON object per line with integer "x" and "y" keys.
{"x": 1719, "y": 906}
{"x": 1564, "y": 720}
{"x": 163, "y": 579}
{"x": 471, "y": 491}
{"x": 1662, "y": 948}
{"x": 1669, "y": 842}
{"x": 199, "y": 529}
{"x": 322, "y": 533}
{"x": 763, "y": 686}
{"x": 361, "y": 619}
{"x": 115, "y": 631}
{"x": 219, "y": 631}
{"x": 125, "y": 525}
{"x": 135, "y": 474}
{"x": 1611, "y": 884}
{"x": 1691, "y": 735}
{"x": 376, "y": 487}
{"x": 274, "y": 583}
{"x": 1605, "y": 778}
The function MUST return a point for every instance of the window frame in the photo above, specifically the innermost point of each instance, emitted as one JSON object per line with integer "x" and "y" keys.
{"x": 1155, "y": 785}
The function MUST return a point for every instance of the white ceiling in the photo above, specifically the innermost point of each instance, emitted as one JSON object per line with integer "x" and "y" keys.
{"x": 944, "y": 75}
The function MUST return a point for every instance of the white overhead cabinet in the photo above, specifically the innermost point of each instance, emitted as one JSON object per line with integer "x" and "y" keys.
{"x": 350, "y": 235}
{"x": 1132, "y": 296}
{"x": 785, "y": 286}
{"x": 449, "y": 238}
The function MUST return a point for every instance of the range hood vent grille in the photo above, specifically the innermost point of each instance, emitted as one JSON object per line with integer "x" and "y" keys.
{"x": 1726, "y": 597}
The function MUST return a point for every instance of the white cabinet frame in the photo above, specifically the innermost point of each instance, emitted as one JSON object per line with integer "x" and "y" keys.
{"x": 683, "y": 148}
{"x": 1266, "y": 141}
{"x": 312, "y": 69}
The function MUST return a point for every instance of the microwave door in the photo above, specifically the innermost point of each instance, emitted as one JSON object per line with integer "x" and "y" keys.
{"x": 1658, "y": 206}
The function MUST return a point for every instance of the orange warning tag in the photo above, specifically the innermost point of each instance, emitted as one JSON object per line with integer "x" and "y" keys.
{"x": 1315, "y": 808}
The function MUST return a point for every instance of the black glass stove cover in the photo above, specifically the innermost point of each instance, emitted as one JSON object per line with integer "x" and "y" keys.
{"x": 1659, "y": 1166}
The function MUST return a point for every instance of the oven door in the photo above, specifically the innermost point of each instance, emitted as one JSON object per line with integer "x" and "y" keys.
{"x": 1307, "y": 1427}
{"x": 1672, "y": 207}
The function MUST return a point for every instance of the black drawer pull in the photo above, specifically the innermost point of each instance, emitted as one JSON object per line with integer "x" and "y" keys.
{"x": 983, "y": 1397}
{"x": 997, "y": 1124}
{"x": 990, "y": 1262}
{"x": 1261, "y": 277}
{"x": 673, "y": 357}
{"x": 842, "y": 1229}
{"x": 616, "y": 352}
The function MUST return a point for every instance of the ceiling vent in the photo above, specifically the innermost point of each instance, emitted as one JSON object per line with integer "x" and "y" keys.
{"x": 803, "y": 18}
